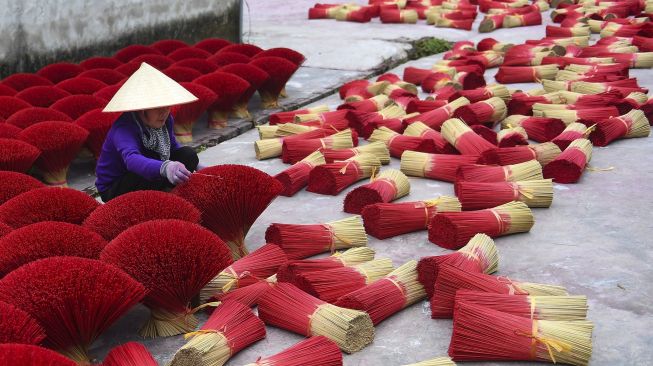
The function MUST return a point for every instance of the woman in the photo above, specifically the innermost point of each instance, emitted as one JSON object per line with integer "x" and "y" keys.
{"x": 140, "y": 151}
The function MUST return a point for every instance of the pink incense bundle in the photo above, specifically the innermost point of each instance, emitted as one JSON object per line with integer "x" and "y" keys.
{"x": 280, "y": 71}
{"x": 16, "y": 155}
{"x": 187, "y": 53}
{"x": 434, "y": 166}
{"x": 249, "y": 50}
{"x": 287, "y": 307}
{"x": 570, "y": 164}
{"x": 273, "y": 147}
{"x": 17, "y": 326}
{"x": 182, "y": 74}
{"x": 643, "y": 43}
{"x": 486, "y": 132}
{"x": 29, "y": 355}
{"x": 60, "y": 71}
{"x": 416, "y": 75}
{"x": 351, "y": 86}
{"x": 333, "y": 178}
{"x": 553, "y": 31}
{"x": 511, "y": 137}
{"x": 338, "y": 120}
{"x": 373, "y": 104}
{"x": 290, "y": 271}
{"x": 491, "y": 44}
{"x": 75, "y": 106}
{"x": 479, "y": 255}
{"x": 129, "y": 354}
{"x": 408, "y": 16}
{"x": 522, "y": 20}
{"x": 464, "y": 139}
{"x": 437, "y": 81}
{"x": 465, "y": 24}
{"x": 491, "y": 22}
{"x": 359, "y": 119}
{"x": 469, "y": 80}
{"x": 397, "y": 144}
{"x": 530, "y": 170}
{"x": 295, "y": 178}
{"x": 522, "y": 103}
{"x": 485, "y": 92}
{"x": 540, "y": 129}
{"x": 203, "y": 66}
{"x": 525, "y": 74}
{"x": 295, "y": 150}
{"x": 451, "y": 279}
{"x": 419, "y": 129}
{"x": 227, "y": 58}
{"x": 394, "y": 124}
{"x": 423, "y": 106}
{"x": 487, "y": 111}
{"x": 389, "y": 185}
{"x": 300, "y": 241}
{"x": 478, "y": 196}
{"x": 248, "y": 295}
{"x": 630, "y": 125}
{"x": 452, "y": 230}
{"x": 229, "y": 89}
{"x": 187, "y": 114}
{"x": 317, "y": 350}
{"x": 544, "y": 153}
{"x": 289, "y": 116}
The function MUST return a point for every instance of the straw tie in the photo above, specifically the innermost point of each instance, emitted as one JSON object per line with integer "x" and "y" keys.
{"x": 507, "y": 172}
{"x": 499, "y": 220}
{"x": 309, "y": 330}
{"x": 388, "y": 181}
{"x": 426, "y": 205}
{"x": 334, "y": 236}
{"x": 549, "y": 342}
{"x": 398, "y": 284}
{"x": 350, "y": 162}
{"x": 532, "y": 300}
{"x": 536, "y": 74}
{"x": 517, "y": 190}
{"x": 512, "y": 288}
{"x": 589, "y": 130}
{"x": 161, "y": 316}
{"x": 236, "y": 278}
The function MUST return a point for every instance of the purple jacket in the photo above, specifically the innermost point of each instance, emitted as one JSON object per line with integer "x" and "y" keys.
{"x": 123, "y": 152}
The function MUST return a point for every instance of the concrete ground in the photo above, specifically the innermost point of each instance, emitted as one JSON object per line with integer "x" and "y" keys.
{"x": 594, "y": 240}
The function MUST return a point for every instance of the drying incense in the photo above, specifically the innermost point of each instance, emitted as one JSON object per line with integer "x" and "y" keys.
{"x": 295, "y": 178}
{"x": 486, "y": 92}
{"x": 289, "y": 116}
{"x": 390, "y": 294}
{"x": 398, "y": 143}
{"x": 377, "y": 148}
{"x": 318, "y": 350}
{"x": 630, "y": 125}
{"x": 478, "y": 196}
{"x": 419, "y": 129}
{"x": 570, "y": 164}
{"x": 387, "y": 186}
{"x": 489, "y": 112}
{"x": 466, "y": 141}
{"x": 373, "y": 104}
{"x": 333, "y": 178}
{"x": 452, "y": 230}
{"x": 540, "y": 129}
{"x": 129, "y": 354}
{"x": 248, "y": 295}
{"x": 17, "y": 326}
{"x": 435, "y": 166}
{"x": 30, "y": 355}
{"x": 437, "y": 117}
{"x": 512, "y": 136}
{"x": 385, "y": 220}
{"x": 271, "y": 148}
{"x": 571, "y": 133}
{"x": 288, "y": 307}
{"x": 440, "y": 361}
{"x": 530, "y": 170}
{"x": 451, "y": 279}
{"x": 304, "y": 240}
{"x": 526, "y": 74}
{"x": 288, "y": 272}
{"x": 362, "y": 119}
{"x": 294, "y": 150}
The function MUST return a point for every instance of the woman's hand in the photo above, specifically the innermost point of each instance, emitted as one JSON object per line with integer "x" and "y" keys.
{"x": 176, "y": 172}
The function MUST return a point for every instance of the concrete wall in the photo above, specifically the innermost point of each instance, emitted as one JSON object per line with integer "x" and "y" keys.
{"x": 38, "y": 32}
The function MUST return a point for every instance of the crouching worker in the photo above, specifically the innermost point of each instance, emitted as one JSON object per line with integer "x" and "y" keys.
{"x": 140, "y": 151}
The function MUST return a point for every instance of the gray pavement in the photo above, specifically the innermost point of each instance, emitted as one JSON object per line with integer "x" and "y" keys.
{"x": 594, "y": 240}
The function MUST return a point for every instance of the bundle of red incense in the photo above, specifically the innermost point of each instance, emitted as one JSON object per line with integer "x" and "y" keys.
{"x": 125, "y": 211}
{"x": 478, "y": 255}
{"x": 100, "y": 63}
{"x": 37, "y": 96}
{"x": 230, "y": 328}
{"x": 254, "y": 76}
{"x": 230, "y": 198}
{"x": 9, "y": 131}
{"x": 544, "y": 153}
{"x": 80, "y": 85}
{"x": 16, "y": 155}
{"x": 130, "y": 52}
{"x": 570, "y": 164}
{"x": 280, "y": 71}
{"x": 579, "y": 30}
{"x": 480, "y": 333}
{"x": 397, "y": 290}
{"x": 261, "y": 263}
{"x": 398, "y": 143}
{"x": 227, "y": 58}
{"x": 13, "y": 183}
{"x": 107, "y": 76}
{"x": 304, "y": 240}
{"x": 530, "y": 170}
{"x": 229, "y": 89}
{"x": 174, "y": 260}
{"x": 362, "y": 119}
{"x": 540, "y": 129}
{"x": 512, "y": 136}
{"x": 571, "y": 133}
{"x": 486, "y": 92}
{"x": 289, "y": 116}
{"x": 318, "y": 350}
{"x": 630, "y": 125}
{"x": 98, "y": 124}
{"x": 20, "y": 81}
{"x": 296, "y": 177}
{"x": 522, "y": 20}
{"x": 466, "y": 141}
{"x": 93, "y": 294}
{"x": 385, "y": 187}
{"x": 534, "y": 307}
{"x": 451, "y": 279}
{"x": 522, "y": 103}
{"x": 273, "y": 147}
{"x": 294, "y": 150}
{"x": 525, "y": 74}
{"x": 75, "y": 106}
{"x": 285, "y": 306}
{"x": 435, "y": 166}
{"x": 129, "y": 354}
{"x": 33, "y": 115}
{"x": 423, "y": 106}
{"x": 408, "y": 16}
{"x": 60, "y": 71}
{"x": 437, "y": 81}
{"x": 29, "y": 355}
{"x": 167, "y": 46}
{"x": 491, "y": 44}
{"x": 419, "y": 129}
{"x": 373, "y": 104}
{"x": 582, "y": 114}
{"x": 330, "y": 284}
{"x": 491, "y": 22}
{"x": 478, "y": 196}
{"x": 487, "y": 111}
{"x": 249, "y": 295}
{"x": 290, "y": 271}
{"x": 11, "y": 105}
{"x": 377, "y": 148}
{"x": 333, "y": 178}
{"x": 187, "y": 114}
{"x": 17, "y": 326}
{"x": 452, "y": 230}
{"x": 436, "y": 118}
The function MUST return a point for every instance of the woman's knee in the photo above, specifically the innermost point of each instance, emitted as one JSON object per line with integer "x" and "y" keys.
{"x": 187, "y": 156}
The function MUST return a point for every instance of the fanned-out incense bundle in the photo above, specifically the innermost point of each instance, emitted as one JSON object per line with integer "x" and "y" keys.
{"x": 630, "y": 125}
{"x": 388, "y": 295}
{"x": 570, "y": 164}
{"x": 533, "y": 307}
{"x": 525, "y": 74}
{"x": 317, "y": 350}
{"x": 451, "y": 279}
{"x": 377, "y": 148}
{"x": 435, "y": 166}
{"x": 489, "y": 111}
{"x": 385, "y": 220}
{"x": 258, "y": 264}
{"x": 437, "y": 117}
{"x": 294, "y": 150}
{"x": 296, "y": 177}
{"x": 483, "y": 334}
{"x": 285, "y": 306}
{"x": 129, "y": 354}
{"x": 478, "y": 196}
{"x": 17, "y": 326}
{"x": 419, "y": 129}
{"x": 230, "y": 328}
{"x": 30, "y": 355}
{"x": 540, "y": 129}
{"x": 387, "y": 186}
{"x": 511, "y": 137}
{"x": 398, "y": 143}
{"x": 304, "y": 240}
{"x": 466, "y": 141}
{"x": 333, "y": 178}
{"x": 572, "y": 132}
{"x": 289, "y": 116}
{"x": 331, "y": 284}
{"x": 289, "y": 271}
{"x": 452, "y": 230}
{"x": 530, "y": 170}
{"x": 440, "y": 361}
{"x": 478, "y": 255}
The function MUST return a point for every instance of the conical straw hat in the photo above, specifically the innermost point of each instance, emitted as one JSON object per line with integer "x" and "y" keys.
{"x": 148, "y": 88}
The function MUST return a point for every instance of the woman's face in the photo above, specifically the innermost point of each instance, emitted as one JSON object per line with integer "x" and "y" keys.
{"x": 155, "y": 118}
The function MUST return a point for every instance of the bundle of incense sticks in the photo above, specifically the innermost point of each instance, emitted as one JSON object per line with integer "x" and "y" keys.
{"x": 632, "y": 101}
{"x": 466, "y": 141}
{"x": 317, "y": 350}
{"x": 530, "y": 170}
{"x": 571, "y": 133}
{"x": 526, "y": 74}
{"x": 435, "y": 166}
{"x": 440, "y": 361}
{"x": 260, "y": 263}
{"x": 478, "y": 255}
{"x": 285, "y": 306}
{"x": 333, "y": 178}
{"x": 389, "y": 185}
{"x": 480, "y": 333}
{"x": 522, "y": 103}
{"x": 294, "y": 150}
{"x": 283, "y": 130}
{"x": 304, "y": 240}
{"x": 451, "y": 279}
{"x": 540, "y": 129}
{"x": 271, "y": 148}
{"x": 576, "y": 114}
{"x": 478, "y": 196}
{"x": 437, "y": 81}
{"x": 437, "y": 117}
{"x": 630, "y": 125}
{"x": 373, "y": 104}
{"x": 248, "y": 295}
{"x": 330, "y": 284}
{"x": 289, "y": 116}
{"x": 408, "y": 16}
{"x": 362, "y": 119}
{"x": 398, "y": 143}
{"x": 570, "y": 164}
{"x": 544, "y": 153}
{"x": 487, "y": 111}
{"x": 486, "y": 92}
{"x": 394, "y": 124}
{"x": 491, "y": 44}
{"x": 390, "y": 294}
{"x": 295, "y": 178}
{"x": 423, "y": 106}
{"x": 578, "y": 30}
{"x": 522, "y": 20}
{"x": 419, "y": 129}
{"x": 489, "y": 134}
{"x": 534, "y": 307}
{"x": 288, "y": 272}
{"x": 385, "y": 220}
{"x": 378, "y": 149}
{"x": 452, "y": 230}
{"x": 512, "y": 136}
{"x": 491, "y": 22}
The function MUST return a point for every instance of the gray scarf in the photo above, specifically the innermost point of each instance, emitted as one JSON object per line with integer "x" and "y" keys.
{"x": 155, "y": 139}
